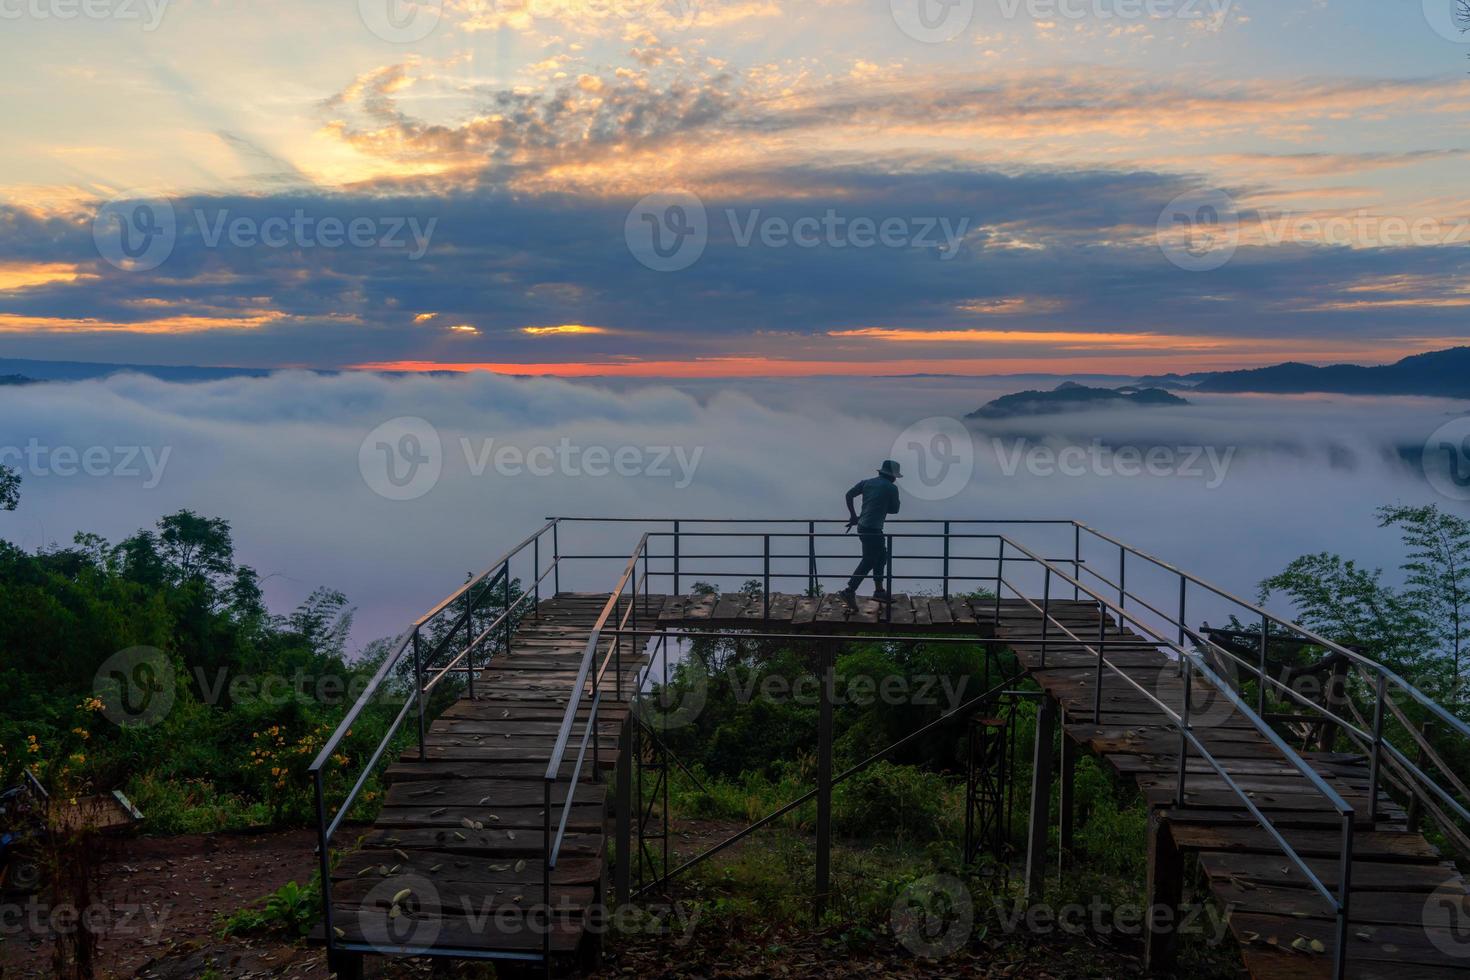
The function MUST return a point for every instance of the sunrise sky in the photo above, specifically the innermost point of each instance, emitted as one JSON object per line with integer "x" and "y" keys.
{"x": 1069, "y": 185}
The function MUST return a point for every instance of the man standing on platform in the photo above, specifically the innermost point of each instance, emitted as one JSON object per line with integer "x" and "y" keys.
{"x": 880, "y": 498}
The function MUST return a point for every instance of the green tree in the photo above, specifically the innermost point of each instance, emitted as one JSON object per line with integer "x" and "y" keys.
{"x": 324, "y": 622}
{"x": 9, "y": 488}
{"x": 197, "y": 549}
{"x": 1335, "y": 598}
{"x": 1438, "y": 578}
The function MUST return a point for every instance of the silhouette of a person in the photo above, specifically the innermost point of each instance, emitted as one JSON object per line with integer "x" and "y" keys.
{"x": 880, "y": 498}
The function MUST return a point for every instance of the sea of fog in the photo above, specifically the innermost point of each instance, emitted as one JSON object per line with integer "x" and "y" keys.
{"x": 392, "y": 489}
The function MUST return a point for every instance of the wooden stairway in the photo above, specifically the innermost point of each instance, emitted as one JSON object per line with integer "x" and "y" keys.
{"x": 1408, "y": 907}
{"x": 463, "y": 827}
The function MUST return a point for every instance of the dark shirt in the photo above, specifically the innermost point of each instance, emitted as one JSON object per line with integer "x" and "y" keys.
{"x": 880, "y": 498}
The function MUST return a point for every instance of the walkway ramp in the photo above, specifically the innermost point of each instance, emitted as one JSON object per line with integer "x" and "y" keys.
{"x": 1401, "y": 912}
{"x": 464, "y": 825}
{"x": 500, "y": 811}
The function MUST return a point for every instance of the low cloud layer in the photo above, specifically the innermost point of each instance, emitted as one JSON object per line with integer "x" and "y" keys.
{"x": 289, "y": 461}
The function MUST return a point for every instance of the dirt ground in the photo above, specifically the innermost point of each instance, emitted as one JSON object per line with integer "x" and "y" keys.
{"x": 163, "y": 900}
{"x": 160, "y": 899}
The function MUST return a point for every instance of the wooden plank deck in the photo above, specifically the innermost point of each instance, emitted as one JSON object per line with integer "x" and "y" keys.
{"x": 908, "y": 613}
{"x": 463, "y": 828}
{"x": 1405, "y": 901}
{"x": 464, "y": 824}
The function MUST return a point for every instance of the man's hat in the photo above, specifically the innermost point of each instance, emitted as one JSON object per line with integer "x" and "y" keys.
{"x": 890, "y": 468}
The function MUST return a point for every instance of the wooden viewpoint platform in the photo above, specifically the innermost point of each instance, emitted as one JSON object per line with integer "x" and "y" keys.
{"x": 468, "y": 817}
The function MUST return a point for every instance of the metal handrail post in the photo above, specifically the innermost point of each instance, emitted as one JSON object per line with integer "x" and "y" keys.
{"x": 1122, "y": 578}
{"x": 546, "y": 861}
{"x": 556, "y": 556}
{"x": 536, "y": 573}
{"x": 766, "y": 577}
{"x": 1045, "y": 615}
{"x": 946, "y": 567}
{"x": 1185, "y": 725}
{"x": 418, "y": 690}
{"x": 1000, "y": 577}
{"x": 505, "y": 597}
{"x": 1265, "y": 667}
{"x": 1102, "y": 636}
{"x": 1183, "y": 585}
{"x": 676, "y": 558}
{"x": 323, "y": 845}
{"x": 1344, "y": 878}
{"x": 811, "y": 557}
{"x": 469, "y": 643}
{"x": 1376, "y": 766}
{"x": 888, "y": 567}
{"x": 1077, "y": 560}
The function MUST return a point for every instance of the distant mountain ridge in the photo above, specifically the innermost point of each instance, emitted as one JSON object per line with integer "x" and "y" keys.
{"x": 1442, "y": 373}
{"x": 1070, "y": 396}
{"x": 32, "y": 371}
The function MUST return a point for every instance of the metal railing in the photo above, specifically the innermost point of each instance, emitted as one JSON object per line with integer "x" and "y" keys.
{"x": 1382, "y": 686}
{"x": 944, "y": 565}
{"x": 932, "y": 554}
{"x": 454, "y": 618}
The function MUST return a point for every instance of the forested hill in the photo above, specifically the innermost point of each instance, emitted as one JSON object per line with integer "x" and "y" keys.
{"x": 1444, "y": 373}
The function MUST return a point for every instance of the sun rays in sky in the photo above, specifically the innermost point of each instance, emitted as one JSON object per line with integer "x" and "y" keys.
{"x": 703, "y": 187}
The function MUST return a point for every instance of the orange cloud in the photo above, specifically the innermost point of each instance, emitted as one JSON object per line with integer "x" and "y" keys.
{"x": 1009, "y": 305}
{"x": 564, "y": 328}
{"x": 1063, "y": 340}
{"x": 17, "y": 323}
{"x": 26, "y": 275}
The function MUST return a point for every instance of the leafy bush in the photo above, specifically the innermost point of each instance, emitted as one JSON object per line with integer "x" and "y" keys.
{"x": 253, "y": 695}
{"x": 898, "y": 801}
{"x": 291, "y": 909}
